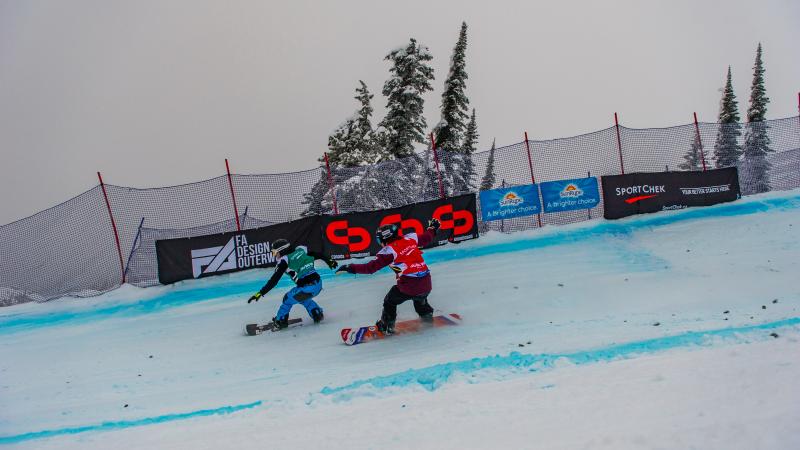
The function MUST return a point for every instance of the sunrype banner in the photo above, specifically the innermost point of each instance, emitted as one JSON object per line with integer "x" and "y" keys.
{"x": 353, "y": 235}
{"x": 505, "y": 203}
{"x": 636, "y": 193}
{"x": 568, "y": 195}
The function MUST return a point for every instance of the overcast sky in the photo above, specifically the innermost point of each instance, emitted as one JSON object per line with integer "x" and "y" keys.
{"x": 159, "y": 92}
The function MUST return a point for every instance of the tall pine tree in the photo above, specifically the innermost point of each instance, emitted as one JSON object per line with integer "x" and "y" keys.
{"x": 488, "y": 180}
{"x": 755, "y": 176}
{"x": 455, "y": 104}
{"x": 726, "y": 148}
{"x": 404, "y": 124}
{"x": 465, "y": 171}
{"x": 410, "y": 78}
{"x": 365, "y": 145}
{"x": 489, "y": 177}
{"x": 693, "y": 156}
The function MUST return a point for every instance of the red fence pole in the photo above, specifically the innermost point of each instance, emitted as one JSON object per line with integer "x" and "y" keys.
{"x": 700, "y": 141}
{"x": 619, "y": 145}
{"x": 233, "y": 195}
{"x": 114, "y": 226}
{"x": 436, "y": 160}
{"x": 530, "y": 165}
{"x": 330, "y": 184}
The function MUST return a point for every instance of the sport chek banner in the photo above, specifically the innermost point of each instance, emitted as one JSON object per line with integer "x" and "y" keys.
{"x": 196, "y": 257}
{"x": 569, "y": 195}
{"x": 353, "y": 235}
{"x": 505, "y": 203}
{"x": 637, "y": 193}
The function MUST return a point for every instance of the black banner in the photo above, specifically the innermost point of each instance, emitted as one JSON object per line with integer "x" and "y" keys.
{"x": 637, "y": 193}
{"x": 196, "y": 257}
{"x": 353, "y": 235}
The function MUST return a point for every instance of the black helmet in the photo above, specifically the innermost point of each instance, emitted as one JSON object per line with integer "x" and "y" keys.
{"x": 387, "y": 233}
{"x": 281, "y": 246}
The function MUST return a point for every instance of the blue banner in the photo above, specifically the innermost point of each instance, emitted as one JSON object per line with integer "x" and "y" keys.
{"x": 568, "y": 195}
{"x": 505, "y": 203}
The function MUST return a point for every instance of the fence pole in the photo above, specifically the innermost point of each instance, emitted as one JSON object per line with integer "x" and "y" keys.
{"x": 533, "y": 179}
{"x": 114, "y": 226}
{"x": 589, "y": 175}
{"x": 699, "y": 141}
{"x": 619, "y": 145}
{"x": 331, "y": 185}
{"x": 233, "y": 195}
{"x": 436, "y": 160}
{"x": 133, "y": 247}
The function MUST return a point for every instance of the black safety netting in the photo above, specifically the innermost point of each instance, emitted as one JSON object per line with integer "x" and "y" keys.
{"x": 70, "y": 249}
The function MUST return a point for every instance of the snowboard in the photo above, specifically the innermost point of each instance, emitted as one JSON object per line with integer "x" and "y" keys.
{"x": 353, "y": 336}
{"x": 252, "y": 329}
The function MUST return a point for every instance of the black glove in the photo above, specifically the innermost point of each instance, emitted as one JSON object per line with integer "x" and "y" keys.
{"x": 344, "y": 268}
{"x": 434, "y": 224}
{"x": 254, "y": 297}
{"x": 332, "y": 264}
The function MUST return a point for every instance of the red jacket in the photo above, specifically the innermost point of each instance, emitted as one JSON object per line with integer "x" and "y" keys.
{"x": 413, "y": 276}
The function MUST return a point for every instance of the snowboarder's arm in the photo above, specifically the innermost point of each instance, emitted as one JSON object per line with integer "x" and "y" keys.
{"x": 331, "y": 263}
{"x": 429, "y": 235}
{"x": 382, "y": 259}
{"x": 273, "y": 281}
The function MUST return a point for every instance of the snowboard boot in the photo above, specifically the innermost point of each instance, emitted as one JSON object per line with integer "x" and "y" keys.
{"x": 317, "y": 315}
{"x": 426, "y": 318}
{"x": 279, "y": 324}
{"x": 385, "y": 326}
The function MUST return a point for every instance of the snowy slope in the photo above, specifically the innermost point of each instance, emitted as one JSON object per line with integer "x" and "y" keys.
{"x": 672, "y": 330}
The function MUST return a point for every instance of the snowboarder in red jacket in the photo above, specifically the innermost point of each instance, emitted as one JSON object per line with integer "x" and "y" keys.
{"x": 402, "y": 255}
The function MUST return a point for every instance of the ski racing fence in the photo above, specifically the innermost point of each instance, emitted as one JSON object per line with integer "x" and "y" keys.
{"x": 106, "y": 236}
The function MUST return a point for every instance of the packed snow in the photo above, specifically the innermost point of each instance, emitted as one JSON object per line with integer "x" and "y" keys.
{"x": 672, "y": 330}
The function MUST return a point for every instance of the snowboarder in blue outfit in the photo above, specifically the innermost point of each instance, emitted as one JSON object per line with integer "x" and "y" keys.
{"x": 298, "y": 263}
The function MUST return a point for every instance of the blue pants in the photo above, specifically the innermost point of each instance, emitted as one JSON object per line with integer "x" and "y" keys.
{"x": 303, "y": 295}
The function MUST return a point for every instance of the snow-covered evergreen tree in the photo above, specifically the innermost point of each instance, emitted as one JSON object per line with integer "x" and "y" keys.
{"x": 693, "y": 157}
{"x": 318, "y": 199}
{"x": 455, "y": 104}
{"x": 410, "y": 78}
{"x": 489, "y": 177}
{"x": 464, "y": 172}
{"x": 726, "y": 148}
{"x": 755, "y": 167}
{"x": 364, "y": 145}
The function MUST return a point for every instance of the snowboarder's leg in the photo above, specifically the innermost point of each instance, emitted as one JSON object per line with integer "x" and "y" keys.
{"x": 422, "y": 308}
{"x": 305, "y": 296}
{"x": 393, "y": 298}
{"x": 287, "y": 303}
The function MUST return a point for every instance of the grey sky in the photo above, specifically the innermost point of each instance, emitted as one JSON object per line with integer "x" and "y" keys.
{"x": 155, "y": 93}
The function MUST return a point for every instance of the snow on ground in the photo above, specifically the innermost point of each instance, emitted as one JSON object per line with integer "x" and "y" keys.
{"x": 671, "y": 330}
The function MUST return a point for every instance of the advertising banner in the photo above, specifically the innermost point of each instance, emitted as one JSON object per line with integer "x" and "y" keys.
{"x": 505, "y": 203}
{"x": 196, "y": 257}
{"x": 637, "y": 193}
{"x": 569, "y": 195}
{"x": 353, "y": 235}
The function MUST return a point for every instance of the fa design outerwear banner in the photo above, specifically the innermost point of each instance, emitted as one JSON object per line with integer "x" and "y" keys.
{"x": 196, "y": 257}
{"x": 353, "y": 235}
{"x": 637, "y": 193}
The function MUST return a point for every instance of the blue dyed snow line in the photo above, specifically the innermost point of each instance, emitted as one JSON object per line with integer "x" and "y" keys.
{"x": 122, "y": 424}
{"x": 433, "y": 377}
